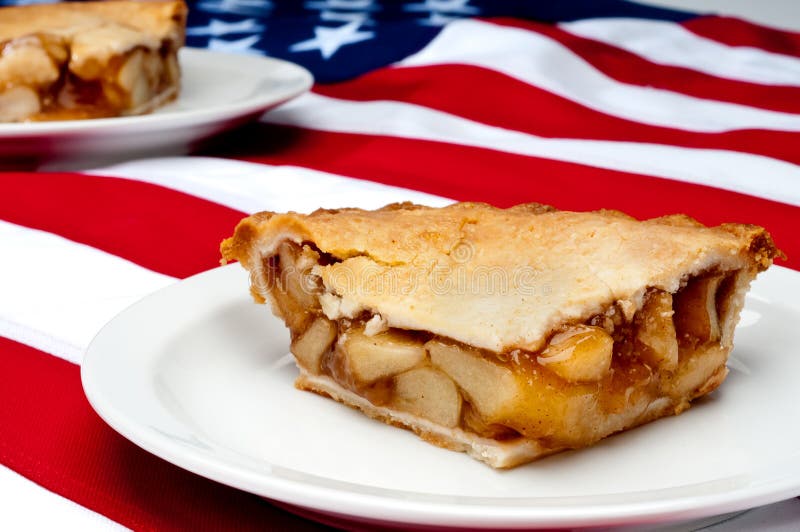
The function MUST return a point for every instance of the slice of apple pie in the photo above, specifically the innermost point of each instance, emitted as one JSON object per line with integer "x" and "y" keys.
{"x": 88, "y": 59}
{"x": 506, "y": 333}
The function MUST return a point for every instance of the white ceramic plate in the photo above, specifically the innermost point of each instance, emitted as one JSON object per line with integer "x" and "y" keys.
{"x": 219, "y": 91}
{"x": 199, "y": 375}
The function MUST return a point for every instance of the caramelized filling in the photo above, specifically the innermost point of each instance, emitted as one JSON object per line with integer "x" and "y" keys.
{"x": 604, "y": 366}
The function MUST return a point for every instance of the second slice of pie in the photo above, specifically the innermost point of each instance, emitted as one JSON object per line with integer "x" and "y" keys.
{"x": 78, "y": 60}
{"x": 509, "y": 334}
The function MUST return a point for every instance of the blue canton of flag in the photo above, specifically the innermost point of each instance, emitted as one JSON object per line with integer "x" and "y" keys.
{"x": 341, "y": 39}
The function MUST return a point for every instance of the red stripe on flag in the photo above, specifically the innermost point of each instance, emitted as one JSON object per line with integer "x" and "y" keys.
{"x": 52, "y": 436}
{"x": 476, "y": 174}
{"x": 737, "y": 32}
{"x": 627, "y": 67}
{"x": 473, "y": 92}
{"x": 162, "y": 229}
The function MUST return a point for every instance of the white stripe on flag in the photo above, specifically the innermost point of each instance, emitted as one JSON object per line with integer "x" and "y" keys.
{"x": 549, "y": 65}
{"x": 667, "y": 43}
{"x": 252, "y": 187}
{"x": 63, "y": 292}
{"x": 741, "y": 172}
{"x": 28, "y": 506}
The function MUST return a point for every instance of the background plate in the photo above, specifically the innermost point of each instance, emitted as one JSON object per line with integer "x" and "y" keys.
{"x": 200, "y": 376}
{"x": 219, "y": 91}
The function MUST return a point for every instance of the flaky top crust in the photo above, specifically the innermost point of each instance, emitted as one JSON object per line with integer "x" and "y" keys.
{"x": 499, "y": 279}
{"x": 156, "y": 18}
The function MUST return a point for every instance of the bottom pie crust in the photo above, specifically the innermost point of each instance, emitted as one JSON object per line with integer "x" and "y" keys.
{"x": 498, "y": 454}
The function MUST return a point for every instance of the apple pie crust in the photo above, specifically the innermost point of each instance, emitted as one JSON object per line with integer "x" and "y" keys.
{"x": 88, "y": 59}
{"x": 508, "y": 334}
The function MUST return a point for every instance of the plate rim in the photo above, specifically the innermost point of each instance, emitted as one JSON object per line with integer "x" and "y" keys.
{"x": 414, "y": 511}
{"x": 155, "y": 120}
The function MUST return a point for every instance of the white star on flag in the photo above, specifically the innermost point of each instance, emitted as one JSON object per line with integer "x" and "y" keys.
{"x": 444, "y": 6}
{"x": 441, "y": 12}
{"x": 238, "y": 46}
{"x": 366, "y": 5}
{"x": 252, "y": 8}
{"x": 218, "y": 27}
{"x": 438, "y": 19}
{"x": 329, "y": 40}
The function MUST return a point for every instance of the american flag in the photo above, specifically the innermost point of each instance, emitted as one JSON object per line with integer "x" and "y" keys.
{"x": 582, "y": 104}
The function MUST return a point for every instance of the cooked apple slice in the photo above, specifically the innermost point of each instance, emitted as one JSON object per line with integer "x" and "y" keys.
{"x": 18, "y": 103}
{"x": 383, "y": 355}
{"x": 290, "y": 283}
{"x": 295, "y": 265}
{"x": 656, "y": 332}
{"x": 491, "y": 389}
{"x": 580, "y": 354}
{"x": 429, "y": 393}
{"x": 473, "y": 422}
{"x": 696, "y": 309}
{"x": 312, "y": 344}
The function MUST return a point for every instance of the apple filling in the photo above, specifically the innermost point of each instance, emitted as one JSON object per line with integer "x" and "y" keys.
{"x": 614, "y": 370}
{"x": 41, "y": 80}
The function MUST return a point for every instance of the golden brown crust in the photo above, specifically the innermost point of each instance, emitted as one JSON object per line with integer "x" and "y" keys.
{"x": 156, "y": 18}
{"x": 575, "y": 264}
